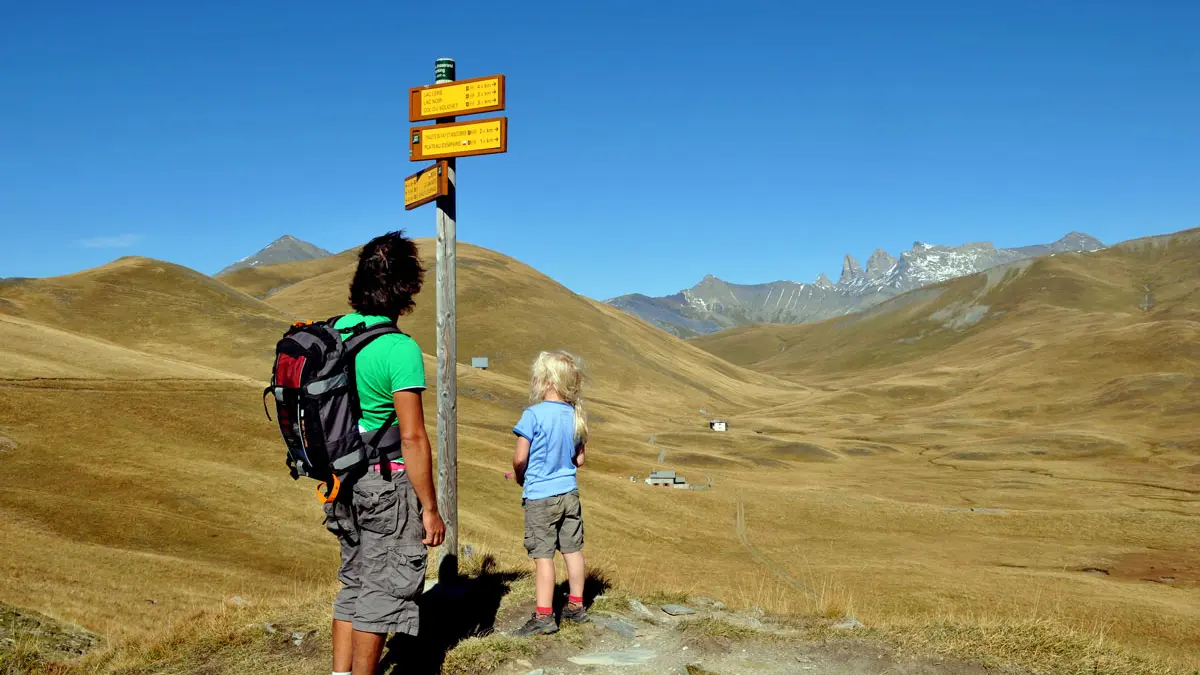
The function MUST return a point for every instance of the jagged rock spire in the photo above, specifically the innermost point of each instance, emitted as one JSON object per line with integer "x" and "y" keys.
{"x": 852, "y": 270}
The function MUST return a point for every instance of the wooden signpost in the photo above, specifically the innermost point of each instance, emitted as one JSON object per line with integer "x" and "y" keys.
{"x": 460, "y": 139}
{"x": 426, "y": 185}
{"x": 463, "y": 97}
{"x": 446, "y": 140}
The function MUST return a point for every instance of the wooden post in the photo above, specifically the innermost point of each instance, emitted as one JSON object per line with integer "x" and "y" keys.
{"x": 447, "y": 358}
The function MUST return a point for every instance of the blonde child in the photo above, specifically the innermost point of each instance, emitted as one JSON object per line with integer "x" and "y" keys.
{"x": 551, "y": 437}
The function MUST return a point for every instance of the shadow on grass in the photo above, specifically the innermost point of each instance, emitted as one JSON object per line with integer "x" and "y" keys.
{"x": 459, "y": 607}
{"x": 594, "y": 585}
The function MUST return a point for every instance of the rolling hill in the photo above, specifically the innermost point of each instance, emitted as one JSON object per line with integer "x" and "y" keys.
{"x": 262, "y": 281}
{"x": 508, "y": 311}
{"x": 154, "y": 307}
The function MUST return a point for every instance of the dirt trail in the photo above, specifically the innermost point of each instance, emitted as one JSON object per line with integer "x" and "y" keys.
{"x": 643, "y": 639}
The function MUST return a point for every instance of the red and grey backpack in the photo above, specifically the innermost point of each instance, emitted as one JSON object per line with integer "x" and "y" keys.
{"x": 317, "y": 406}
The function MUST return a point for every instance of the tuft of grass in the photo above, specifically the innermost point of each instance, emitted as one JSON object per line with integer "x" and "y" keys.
{"x": 572, "y": 634}
{"x": 612, "y": 601}
{"x": 229, "y": 639}
{"x": 719, "y": 628}
{"x": 832, "y": 599}
{"x": 665, "y": 598}
{"x": 478, "y": 655}
{"x": 23, "y": 657}
{"x": 1042, "y": 645}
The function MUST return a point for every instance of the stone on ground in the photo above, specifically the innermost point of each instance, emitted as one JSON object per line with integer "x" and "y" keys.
{"x": 616, "y": 624}
{"x": 848, "y": 623}
{"x": 678, "y": 610}
{"x": 641, "y": 610}
{"x": 628, "y": 657}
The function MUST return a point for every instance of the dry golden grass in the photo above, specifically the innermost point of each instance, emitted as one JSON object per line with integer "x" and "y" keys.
{"x": 260, "y": 282}
{"x": 1072, "y": 411}
{"x": 508, "y": 311}
{"x": 154, "y": 307}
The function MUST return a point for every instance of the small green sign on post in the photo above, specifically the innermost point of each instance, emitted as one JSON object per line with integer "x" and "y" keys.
{"x": 443, "y": 71}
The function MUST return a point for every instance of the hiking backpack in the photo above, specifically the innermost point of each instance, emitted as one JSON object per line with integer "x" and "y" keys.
{"x": 318, "y": 409}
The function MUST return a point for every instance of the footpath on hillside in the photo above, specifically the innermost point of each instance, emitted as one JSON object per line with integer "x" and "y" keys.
{"x": 698, "y": 636}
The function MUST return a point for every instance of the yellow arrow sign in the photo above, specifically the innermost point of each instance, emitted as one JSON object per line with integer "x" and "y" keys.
{"x": 465, "y": 97}
{"x": 459, "y": 139}
{"x": 426, "y": 185}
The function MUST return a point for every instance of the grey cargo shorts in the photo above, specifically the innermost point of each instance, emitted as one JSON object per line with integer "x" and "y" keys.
{"x": 383, "y": 559}
{"x": 553, "y": 523}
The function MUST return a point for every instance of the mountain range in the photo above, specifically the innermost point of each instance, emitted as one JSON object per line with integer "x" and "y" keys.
{"x": 284, "y": 249}
{"x": 713, "y": 304}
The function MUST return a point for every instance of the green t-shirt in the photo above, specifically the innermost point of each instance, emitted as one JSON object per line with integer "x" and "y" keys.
{"x": 391, "y": 363}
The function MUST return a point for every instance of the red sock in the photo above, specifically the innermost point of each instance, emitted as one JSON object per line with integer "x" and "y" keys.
{"x": 577, "y": 599}
{"x": 545, "y": 611}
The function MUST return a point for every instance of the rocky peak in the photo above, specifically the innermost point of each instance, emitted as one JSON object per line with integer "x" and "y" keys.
{"x": 1078, "y": 241}
{"x": 852, "y": 270}
{"x": 284, "y": 249}
{"x": 823, "y": 281}
{"x": 879, "y": 263}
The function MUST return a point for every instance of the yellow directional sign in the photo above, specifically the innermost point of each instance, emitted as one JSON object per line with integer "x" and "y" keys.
{"x": 464, "y": 97}
{"x": 459, "y": 139}
{"x": 426, "y": 185}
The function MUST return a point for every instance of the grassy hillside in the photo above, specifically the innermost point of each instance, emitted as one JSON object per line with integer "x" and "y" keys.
{"x": 35, "y": 351}
{"x": 1042, "y": 393}
{"x": 924, "y": 465}
{"x": 184, "y": 452}
{"x": 507, "y": 311}
{"x": 155, "y": 307}
{"x": 263, "y": 280}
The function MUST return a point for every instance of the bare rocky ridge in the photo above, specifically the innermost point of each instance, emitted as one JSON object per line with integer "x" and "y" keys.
{"x": 714, "y": 305}
{"x": 284, "y": 249}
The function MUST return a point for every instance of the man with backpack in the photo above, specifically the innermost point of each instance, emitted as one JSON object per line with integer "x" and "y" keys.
{"x": 348, "y": 394}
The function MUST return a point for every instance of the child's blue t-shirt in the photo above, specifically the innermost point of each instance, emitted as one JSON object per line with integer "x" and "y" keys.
{"x": 549, "y": 427}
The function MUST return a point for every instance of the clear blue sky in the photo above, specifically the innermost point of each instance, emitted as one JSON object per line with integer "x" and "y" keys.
{"x": 650, "y": 142}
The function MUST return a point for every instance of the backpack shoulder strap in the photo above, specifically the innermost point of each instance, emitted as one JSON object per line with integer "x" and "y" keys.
{"x": 361, "y": 338}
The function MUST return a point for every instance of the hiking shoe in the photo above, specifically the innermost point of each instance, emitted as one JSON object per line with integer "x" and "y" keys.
{"x": 537, "y": 625}
{"x": 575, "y": 614}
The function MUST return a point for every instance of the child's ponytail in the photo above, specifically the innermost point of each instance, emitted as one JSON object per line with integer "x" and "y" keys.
{"x": 581, "y": 425}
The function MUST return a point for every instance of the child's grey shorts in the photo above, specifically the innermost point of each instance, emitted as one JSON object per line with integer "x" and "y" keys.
{"x": 553, "y": 523}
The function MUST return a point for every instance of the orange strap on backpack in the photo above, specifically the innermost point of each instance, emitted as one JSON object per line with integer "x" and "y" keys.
{"x": 327, "y": 497}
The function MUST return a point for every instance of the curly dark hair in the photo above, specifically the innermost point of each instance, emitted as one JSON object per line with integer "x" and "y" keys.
{"x": 389, "y": 274}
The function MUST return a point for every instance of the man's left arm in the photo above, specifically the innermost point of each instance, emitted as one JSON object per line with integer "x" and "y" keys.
{"x": 407, "y": 375}
{"x": 418, "y": 462}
